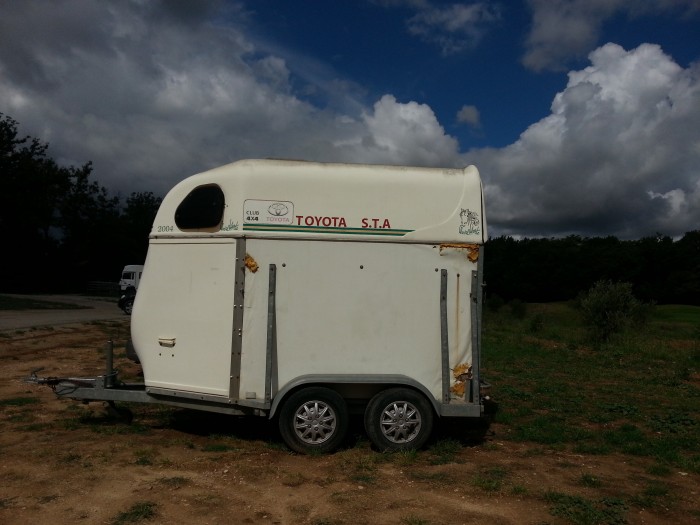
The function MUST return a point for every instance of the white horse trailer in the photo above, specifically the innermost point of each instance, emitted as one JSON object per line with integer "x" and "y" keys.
{"x": 302, "y": 291}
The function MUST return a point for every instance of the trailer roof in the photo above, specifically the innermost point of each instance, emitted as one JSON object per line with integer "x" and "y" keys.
{"x": 297, "y": 199}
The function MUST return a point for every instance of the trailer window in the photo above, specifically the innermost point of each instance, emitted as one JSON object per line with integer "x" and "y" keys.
{"x": 203, "y": 208}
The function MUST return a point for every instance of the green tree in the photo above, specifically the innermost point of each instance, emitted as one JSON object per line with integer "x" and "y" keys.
{"x": 89, "y": 224}
{"x": 61, "y": 228}
{"x": 138, "y": 216}
{"x": 684, "y": 281}
{"x": 30, "y": 186}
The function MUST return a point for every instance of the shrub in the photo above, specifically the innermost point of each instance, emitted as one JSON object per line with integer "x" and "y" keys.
{"x": 494, "y": 302}
{"x": 610, "y": 308}
{"x": 537, "y": 323}
{"x": 518, "y": 309}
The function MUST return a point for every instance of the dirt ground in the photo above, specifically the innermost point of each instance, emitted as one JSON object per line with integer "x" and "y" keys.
{"x": 64, "y": 462}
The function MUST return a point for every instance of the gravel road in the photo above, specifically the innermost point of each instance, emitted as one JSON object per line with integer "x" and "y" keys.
{"x": 95, "y": 309}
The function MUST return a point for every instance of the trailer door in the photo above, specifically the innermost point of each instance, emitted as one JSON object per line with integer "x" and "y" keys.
{"x": 183, "y": 315}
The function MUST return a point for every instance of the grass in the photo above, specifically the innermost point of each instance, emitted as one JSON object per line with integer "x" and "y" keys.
{"x": 491, "y": 479}
{"x": 103, "y": 423}
{"x": 300, "y": 512}
{"x": 590, "y": 481}
{"x": 145, "y": 456}
{"x": 71, "y": 458}
{"x": 414, "y": 520}
{"x": 637, "y": 395}
{"x": 431, "y": 477}
{"x": 6, "y": 503}
{"x": 217, "y": 447}
{"x": 18, "y": 401}
{"x": 141, "y": 511}
{"x": 655, "y": 494}
{"x": 403, "y": 458}
{"x": 174, "y": 482}
{"x": 632, "y": 396}
{"x": 445, "y": 451}
{"x": 583, "y": 511}
{"x": 659, "y": 470}
{"x": 364, "y": 471}
{"x": 294, "y": 480}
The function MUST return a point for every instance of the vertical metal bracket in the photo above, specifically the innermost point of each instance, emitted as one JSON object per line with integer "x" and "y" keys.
{"x": 237, "y": 332}
{"x": 476, "y": 315}
{"x": 271, "y": 354}
{"x": 444, "y": 342}
{"x": 109, "y": 363}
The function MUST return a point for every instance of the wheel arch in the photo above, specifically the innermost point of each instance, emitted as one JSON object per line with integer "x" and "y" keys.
{"x": 335, "y": 380}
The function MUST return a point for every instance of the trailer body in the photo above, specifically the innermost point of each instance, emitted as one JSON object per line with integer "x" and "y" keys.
{"x": 296, "y": 290}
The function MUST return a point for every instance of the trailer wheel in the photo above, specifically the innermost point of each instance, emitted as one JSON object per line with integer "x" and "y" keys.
{"x": 314, "y": 419}
{"x": 398, "y": 419}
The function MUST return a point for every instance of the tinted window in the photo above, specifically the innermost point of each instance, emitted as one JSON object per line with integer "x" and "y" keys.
{"x": 203, "y": 208}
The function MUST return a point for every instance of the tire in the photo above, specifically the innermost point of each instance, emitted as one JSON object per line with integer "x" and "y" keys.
{"x": 128, "y": 306}
{"x": 398, "y": 419}
{"x": 314, "y": 420}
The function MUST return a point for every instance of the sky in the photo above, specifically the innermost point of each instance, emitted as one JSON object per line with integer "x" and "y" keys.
{"x": 583, "y": 116}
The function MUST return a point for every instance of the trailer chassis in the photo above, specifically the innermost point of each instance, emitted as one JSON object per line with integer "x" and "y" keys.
{"x": 110, "y": 388}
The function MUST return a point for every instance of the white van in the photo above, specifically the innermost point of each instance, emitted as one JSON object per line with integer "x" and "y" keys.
{"x": 131, "y": 277}
{"x": 303, "y": 291}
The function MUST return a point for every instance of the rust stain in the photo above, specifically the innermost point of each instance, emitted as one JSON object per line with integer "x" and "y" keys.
{"x": 250, "y": 263}
{"x": 471, "y": 249}
{"x": 462, "y": 373}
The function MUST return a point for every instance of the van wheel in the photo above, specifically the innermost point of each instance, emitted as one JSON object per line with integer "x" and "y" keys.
{"x": 314, "y": 419}
{"x": 398, "y": 419}
{"x": 128, "y": 306}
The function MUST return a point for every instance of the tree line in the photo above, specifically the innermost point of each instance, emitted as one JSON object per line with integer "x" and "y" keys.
{"x": 659, "y": 268}
{"x": 61, "y": 230}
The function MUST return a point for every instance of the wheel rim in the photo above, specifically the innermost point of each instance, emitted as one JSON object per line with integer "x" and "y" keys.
{"x": 401, "y": 422}
{"x": 314, "y": 422}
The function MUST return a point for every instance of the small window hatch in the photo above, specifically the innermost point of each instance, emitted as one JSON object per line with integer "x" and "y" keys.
{"x": 202, "y": 209}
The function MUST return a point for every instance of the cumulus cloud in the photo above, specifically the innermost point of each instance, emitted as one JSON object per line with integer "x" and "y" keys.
{"x": 454, "y": 28}
{"x": 566, "y": 29}
{"x": 152, "y": 94}
{"x": 619, "y": 153}
{"x": 469, "y": 115}
{"x": 407, "y": 133}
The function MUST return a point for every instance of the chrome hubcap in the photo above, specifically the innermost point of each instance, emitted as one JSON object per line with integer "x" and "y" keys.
{"x": 314, "y": 422}
{"x": 400, "y": 422}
